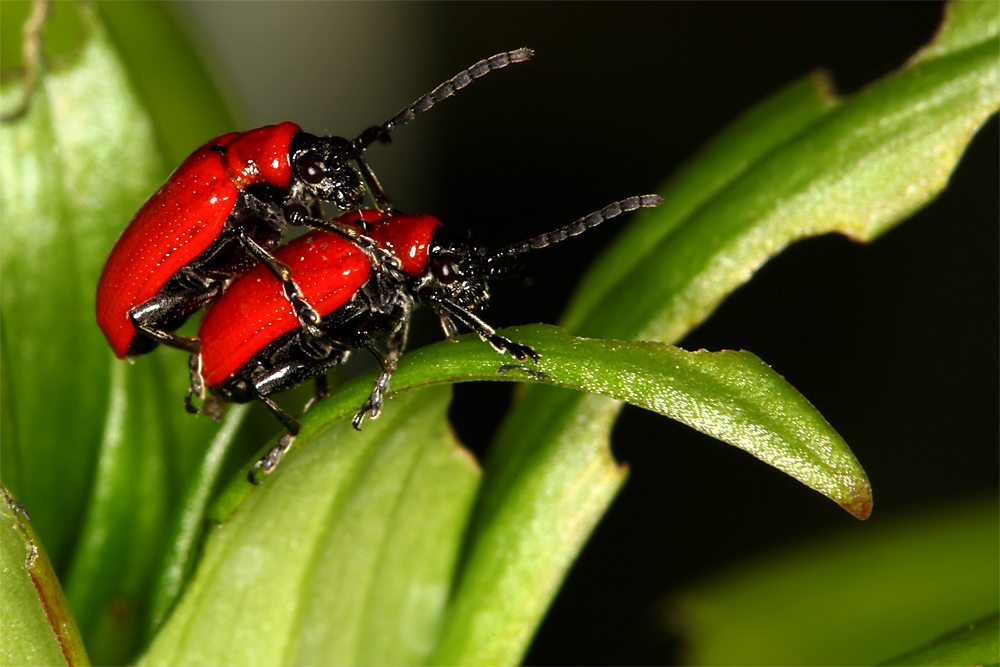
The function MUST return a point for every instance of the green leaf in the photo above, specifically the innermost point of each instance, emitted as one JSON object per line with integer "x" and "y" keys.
{"x": 75, "y": 168}
{"x": 857, "y": 597}
{"x": 864, "y": 165}
{"x": 800, "y": 164}
{"x": 732, "y": 396}
{"x": 38, "y": 625}
{"x": 973, "y": 644}
{"x": 717, "y": 393}
{"x": 99, "y": 451}
{"x": 344, "y": 555}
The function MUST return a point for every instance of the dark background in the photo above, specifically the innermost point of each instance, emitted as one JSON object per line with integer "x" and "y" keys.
{"x": 895, "y": 343}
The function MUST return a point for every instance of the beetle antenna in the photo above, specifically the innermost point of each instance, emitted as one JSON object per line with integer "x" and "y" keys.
{"x": 578, "y": 227}
{"x": 442, "y": 92}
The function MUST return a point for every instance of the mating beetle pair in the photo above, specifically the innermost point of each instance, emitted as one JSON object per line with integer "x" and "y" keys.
{"x": 227, "y": 206}
{"x": 252, "y": 345}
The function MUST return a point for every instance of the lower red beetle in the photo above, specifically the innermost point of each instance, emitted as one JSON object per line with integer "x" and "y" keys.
{"x": 253, "y": 347}
{"x": 223, "y": 210}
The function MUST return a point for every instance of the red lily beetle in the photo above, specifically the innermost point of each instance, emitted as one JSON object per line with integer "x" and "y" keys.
{"x": 252, "y": 347}
{"x": 226, "y": 206}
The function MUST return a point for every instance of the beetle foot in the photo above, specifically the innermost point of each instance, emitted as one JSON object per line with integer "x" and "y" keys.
{"x": 270, "y": 461}
{"x": 373, "y": 406}
{"x": 519, "y": 352}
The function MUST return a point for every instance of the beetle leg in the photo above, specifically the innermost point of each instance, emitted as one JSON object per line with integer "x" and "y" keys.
{"x": 270, "y": 461}
{"x": 373, "y": 406}
{"x": 485, "y": 331}
{"x": 307, "y": 316}
{"x": 166, "y": 307}
{"x": 397, "y": 339}
{"x": 379, "y": 258}
{"x": 447, "y": 324}
{"x": 197, "y": 381}
{"x": 322, "y": 391}
{"x": 378, "y": 195}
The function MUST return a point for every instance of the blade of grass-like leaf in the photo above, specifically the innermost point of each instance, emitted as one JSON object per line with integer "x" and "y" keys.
{"x": 345, "y": 554}
{"x": 38, "y": 625}
{"x": 74, "y": 169}
{"x": 125, "y": 523}
{"x": 859, "y": 168}
{"x": 732, "y": 396}
{"x": 866, "y": 165}
{"x": 854, "y": 598}
{"x": 973, "y": 644}
{"x": 183, "y": 543}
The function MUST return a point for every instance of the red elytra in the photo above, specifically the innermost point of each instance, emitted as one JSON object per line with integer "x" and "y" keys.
{"x": 329, "y": 270}
{"x": 183, "y": 218}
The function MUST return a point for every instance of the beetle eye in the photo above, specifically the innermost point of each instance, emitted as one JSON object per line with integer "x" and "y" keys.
{"x": 444, "y": 268}
{"x": 311, "y": 168}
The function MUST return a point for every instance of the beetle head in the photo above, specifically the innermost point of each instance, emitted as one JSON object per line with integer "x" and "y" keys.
{"x": 458, "y": 269}
{"x": 323, "y": 166}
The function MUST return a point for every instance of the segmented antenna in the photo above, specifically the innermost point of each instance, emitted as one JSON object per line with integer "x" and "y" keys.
{"x": 580, "y": 226}
{"x": 442, "y": 92}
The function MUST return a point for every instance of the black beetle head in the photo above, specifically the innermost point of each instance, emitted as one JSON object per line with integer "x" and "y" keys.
{"x": 457, "y": 269}
{"x": 323, "y": 166}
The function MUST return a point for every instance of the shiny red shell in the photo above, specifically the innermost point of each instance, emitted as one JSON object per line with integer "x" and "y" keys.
{"x": 183, "y": 218}
{"x": 328, "y": 269}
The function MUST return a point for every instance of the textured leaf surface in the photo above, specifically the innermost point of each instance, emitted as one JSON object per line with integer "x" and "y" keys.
{"x": 732, "y": 396}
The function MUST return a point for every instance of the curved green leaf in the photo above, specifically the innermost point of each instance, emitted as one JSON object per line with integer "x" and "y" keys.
{"x": 863, "y": 165}
{"x": 38, "y": 625}
{"x": 732, "y": 396}
{"x": 857, "y": 166}
{"x": 717, "y": 393}
{"x": 856, "y": 597}
{"x": 344, "y": 555}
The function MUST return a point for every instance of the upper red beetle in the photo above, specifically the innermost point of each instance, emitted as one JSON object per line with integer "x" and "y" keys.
{"x": 253, "y": 347}
{"x": 226, "y": 206}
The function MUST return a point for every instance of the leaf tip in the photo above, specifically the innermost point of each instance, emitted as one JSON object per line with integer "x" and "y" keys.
{"x": 860, "y": 505}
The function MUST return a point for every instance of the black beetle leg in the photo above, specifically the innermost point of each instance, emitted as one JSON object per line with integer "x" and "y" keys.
{"x": 486, "y": 332}
{"x": 322, "y": 390}
{"x": 397, "y": 339}
{"x": 378, "y": 195}
{"x": 305, "y": 313}
{"x": 169, "y": 306}
{"x": 270, "y": 461}
{"x": 373, "y": 406}
{"x": 379, "y": 258}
